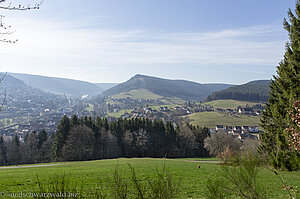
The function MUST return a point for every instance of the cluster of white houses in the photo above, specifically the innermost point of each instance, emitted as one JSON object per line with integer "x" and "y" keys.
{"x": 240, "y": 132}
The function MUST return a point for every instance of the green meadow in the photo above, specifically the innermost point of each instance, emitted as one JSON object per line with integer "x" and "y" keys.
{"x": 192, "y": 179}
{"x": 211, "y": 119}
{"x": 145, "y": 94}
{"x": 119, "y": 113}
{"x": 137, "y": 95}
{"x": 229, "y": 103}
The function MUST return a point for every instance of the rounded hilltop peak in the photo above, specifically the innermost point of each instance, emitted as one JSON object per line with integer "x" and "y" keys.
{"x": 138, "y": 76}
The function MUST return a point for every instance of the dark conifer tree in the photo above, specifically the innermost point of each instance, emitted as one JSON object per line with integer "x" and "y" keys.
{"x": 3, "y": 160}
{"x": 285, "y": 89}
{"x": 13, "y": 151}
{"x": 42, "y": 137}
{"x": 74, "y": 121}
{"x": 61, "y": 136}
{"x": 79, "y": 144}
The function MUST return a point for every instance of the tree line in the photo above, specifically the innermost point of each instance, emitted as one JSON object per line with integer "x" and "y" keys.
{"x": 81, "y": 139}
{"x": 256, "y": 92}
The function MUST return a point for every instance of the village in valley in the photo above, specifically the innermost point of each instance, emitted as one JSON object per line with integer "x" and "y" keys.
{"x": 43, "y": 111}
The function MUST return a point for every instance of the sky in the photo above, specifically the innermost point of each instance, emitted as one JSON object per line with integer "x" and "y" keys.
{"x": 206, "y": 41}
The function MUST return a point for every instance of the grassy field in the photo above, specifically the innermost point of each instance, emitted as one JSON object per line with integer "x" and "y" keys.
{"x": 172, "y": 101}
{"x": 6, "y": 122}
{"x": 229, "y": 103}
{"x": 211, "y": 119}
{"x": 119, "y": 113}
{"x": 145, "y": 94}
{"x": 192, "y": 179}
{"x": 137, "y": 94}
{"x": 90, "y": 107}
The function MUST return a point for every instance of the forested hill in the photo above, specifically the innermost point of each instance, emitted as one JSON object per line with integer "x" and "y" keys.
{"x": 74, "y": 88}
{"x": 256, "y": 91}
{"x": 169, "y": 88}
{"x": 11, "y": 83}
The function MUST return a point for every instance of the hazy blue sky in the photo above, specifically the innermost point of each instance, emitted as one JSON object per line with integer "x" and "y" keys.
{"x": 230, "y": 41}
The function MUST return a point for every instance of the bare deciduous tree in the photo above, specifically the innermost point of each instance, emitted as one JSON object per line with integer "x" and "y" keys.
{"x": 7, "y": 29}
{"x": 251, "y": 145}
{"x": 218, "y": 142}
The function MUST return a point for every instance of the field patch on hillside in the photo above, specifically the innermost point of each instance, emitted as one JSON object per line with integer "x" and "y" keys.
{"x": 232, "y": 104}
{"x": 137, "y": 94}
{"x": 211, "y": 119}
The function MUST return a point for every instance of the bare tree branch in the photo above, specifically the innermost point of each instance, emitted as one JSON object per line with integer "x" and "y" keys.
{"x": 20, "y": 7}
{"x": 10, "y": 6}
{"x": 1, "y": 79}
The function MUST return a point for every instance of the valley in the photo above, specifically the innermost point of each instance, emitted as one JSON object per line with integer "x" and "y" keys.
{"x": 28, "y": 109}
{"x": 150, "y": 99}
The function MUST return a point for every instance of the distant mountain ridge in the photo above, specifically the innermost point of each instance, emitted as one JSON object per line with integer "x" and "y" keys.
{"x": 14, "y": 88}
{"x": 74, "y": 88}
{"x": 9, "y": 82}
{"x": 256, "y": 91}
{"x": 183, "y": 89}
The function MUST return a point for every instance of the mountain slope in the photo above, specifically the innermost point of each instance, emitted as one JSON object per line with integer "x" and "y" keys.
{"x": 169, "y": 88}
{"x": 256, "y": 91}
{"x": 56, "y": 85}
{"x": 26, "y": 109}
{"x": 16, "y": 94}
{"x": 106, "y": 86}
{"x": 10, "y": 82}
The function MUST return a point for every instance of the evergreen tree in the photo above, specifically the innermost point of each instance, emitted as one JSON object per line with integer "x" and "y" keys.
{"x": 79, "y": 144}
{"x": 61, "y": 136}
{"x": 3, "y": 160}
{"x": 285, "y": 88}
{"x": 29, "y": 149}
{"x": 13, "y": 151}
{"x": 74, "y": 121}
{"x": 42, "y": 137}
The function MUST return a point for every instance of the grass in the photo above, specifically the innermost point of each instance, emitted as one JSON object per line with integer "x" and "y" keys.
{"x": 172, "y": 100}
{"x": 137, "y": 95}
{"x": 119, "y": 113}
{"x": 145, "y": 94}
{"x": 193, "y": 184}
{"x": 90, "y": 107}
{"x": 198, "y": 159}
{"x": 6, "y": 122}
{"x": 232, "y": 104}
{"x": 211, "y": 119}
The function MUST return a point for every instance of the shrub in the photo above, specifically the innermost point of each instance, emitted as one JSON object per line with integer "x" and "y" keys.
{"x": 238, "y": 180}
{"x": 162, "y": 186}
{"x": 218, "y": 142}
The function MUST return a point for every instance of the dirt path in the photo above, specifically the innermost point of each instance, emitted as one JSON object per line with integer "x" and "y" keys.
{"x": 30, "y": 166}
{"x": 49, "y": 165}
{"x": 200, "y": 161}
